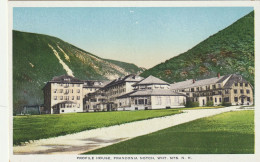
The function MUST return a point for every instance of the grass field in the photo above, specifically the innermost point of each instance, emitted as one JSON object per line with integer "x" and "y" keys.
{"x": 44, "y": 126}
{"x": 227, "y": 133}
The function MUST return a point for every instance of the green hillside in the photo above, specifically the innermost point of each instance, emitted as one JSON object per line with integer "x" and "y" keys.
{"x": 35, "y": 62}
{"x": 228, "y": 51}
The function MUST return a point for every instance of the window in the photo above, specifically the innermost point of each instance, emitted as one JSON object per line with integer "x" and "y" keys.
{"x": 236, "y": 84}
{"x": 226, "y": 91}
{"x": 140, "y": 101}
{"x": 62, "y": 110}
{"x": 61, "y": 90}
{"x": 192, "y": 89}
{"x": 248, "y": 99}
{"x": 247, "y": 91}
{"x": 72, "y": 97}
{"x": 168, "y": 100}
{"x": 226, "y": 99}
{"x": 71, "y": 90}
{"x": 136, "y": 108}
{"x": 214, "y": 86}
{"x": 61, "y": 97}
{"x": 55, "y": 97}
{"x": 219, "y": 85}
{"x": 246, "y": 84}
{"x": 219, "y": 99}
{"x": 236, "y": 99}
{"x": 216, "y": 99}
{"x": 135, "y": 101}
{"x": 78, "y": 90}
{"x": 241, "y": 84}
{"x": 145, "y": 101}
{"x": 241, "y": 91}
{"x": 198, "y": 89}
{"x": 235, "y": 91}
{"x": 55, "y": 90}
{"x": 78, "y": 97}
{"x": 159, "y": 100}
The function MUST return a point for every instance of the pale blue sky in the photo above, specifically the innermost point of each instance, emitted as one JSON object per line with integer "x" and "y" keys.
{"x": 144, "y": 36}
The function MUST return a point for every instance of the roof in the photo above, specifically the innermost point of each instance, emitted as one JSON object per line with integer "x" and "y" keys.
{"x": 189, "y": 83}
{"x": 126, "y": 95}
{"x": 128, "y": 78}
{"x": 234, "y": 79}
{"x": 95, "y": 83}
{"x": 65, "y": 79}
{"x": 151, "y": 80}
{"x": 156, "y": 92}
{"x": 65, "y": 102}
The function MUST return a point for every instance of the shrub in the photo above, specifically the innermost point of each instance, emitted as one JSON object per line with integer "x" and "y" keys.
{"x": 191, "y": 104}
{"x": 210, "y": 103}
{"x": 226, "y": 104}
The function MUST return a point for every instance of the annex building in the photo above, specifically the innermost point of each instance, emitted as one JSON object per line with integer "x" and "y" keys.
{"x": 231, "y": 89}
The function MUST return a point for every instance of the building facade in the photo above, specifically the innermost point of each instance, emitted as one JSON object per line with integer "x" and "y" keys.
{"x": 151, "y": 93}
{"x": 106, "y": 98}
{"x": 63, "y": 94}
{"x": 66, "y": 94}
{"x": 230, "y": 89}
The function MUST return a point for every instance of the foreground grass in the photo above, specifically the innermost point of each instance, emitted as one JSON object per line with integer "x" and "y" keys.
{"x": 227, "y": 133}
{"x": 35, "y": 127}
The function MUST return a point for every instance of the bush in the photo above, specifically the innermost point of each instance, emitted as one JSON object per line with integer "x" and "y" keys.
{"x": 210, "y": 103}
{"x": 191, "y": 104}
{"x": 226, "y": 104}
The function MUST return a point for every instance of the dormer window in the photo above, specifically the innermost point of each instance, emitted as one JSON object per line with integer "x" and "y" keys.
{"x": 67, "y": 79}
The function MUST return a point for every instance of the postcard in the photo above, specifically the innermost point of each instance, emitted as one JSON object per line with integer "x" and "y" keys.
{"x": 133, "y": 81}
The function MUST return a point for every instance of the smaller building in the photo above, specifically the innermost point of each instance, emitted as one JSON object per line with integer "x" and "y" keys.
{"x": 151, "y": 93}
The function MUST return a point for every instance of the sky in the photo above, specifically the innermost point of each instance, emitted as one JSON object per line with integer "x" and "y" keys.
{"x": 145, "y": 36}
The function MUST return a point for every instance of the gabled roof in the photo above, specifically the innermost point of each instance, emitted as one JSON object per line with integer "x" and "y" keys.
{"x": 65, "y": 79}
{"x": 235, "y": 79}
{"x": 128, "y": 78}
{"x": 151, "y": 80}
{"x": 156, "y": 92}
{"x": 189, "y": 83}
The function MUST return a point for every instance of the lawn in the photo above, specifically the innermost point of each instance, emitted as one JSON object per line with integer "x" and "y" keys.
{"x": 35, "y": 127}
{"x": 227, "y": 133}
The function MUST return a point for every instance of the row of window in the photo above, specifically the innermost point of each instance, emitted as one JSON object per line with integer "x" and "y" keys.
{"x": 66, "y": 98}
{"x": 209, "y": 99}
{"x": 208, "y": 87}
{"x": 242, "y": 91}
{"x": 242, "y": 100}
{"x": 67, "y": 84}
{"x": 65, "y": 91}
{"x": 141, "y": 102}
{"x": 241, "y": 84}
{"x": 69, "y": 105}
{"x": 116, "y": 92}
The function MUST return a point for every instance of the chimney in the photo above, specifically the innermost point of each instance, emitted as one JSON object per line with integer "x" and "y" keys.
{"x": 218, "y": 75}
{"x": 193, "y": 81}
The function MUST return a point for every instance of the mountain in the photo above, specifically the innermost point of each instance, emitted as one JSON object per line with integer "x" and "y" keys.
{"x": 230, "y": 51}
{"x": 37, "y": 58}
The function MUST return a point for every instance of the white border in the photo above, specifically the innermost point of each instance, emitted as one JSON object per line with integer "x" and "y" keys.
{"x": 202, "y": 158}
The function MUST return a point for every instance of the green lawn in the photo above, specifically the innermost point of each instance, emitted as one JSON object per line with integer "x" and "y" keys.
{"x": 44, "y": 126}
{"x": 227, "y": 133}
